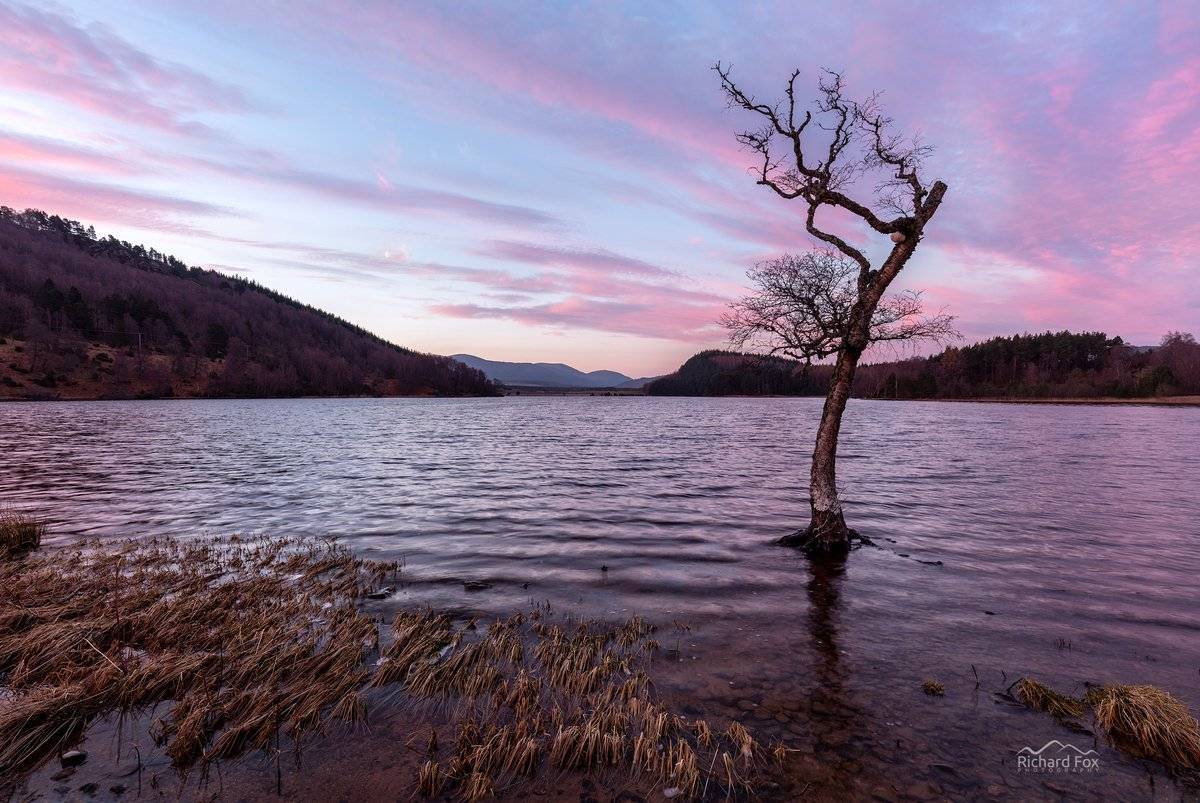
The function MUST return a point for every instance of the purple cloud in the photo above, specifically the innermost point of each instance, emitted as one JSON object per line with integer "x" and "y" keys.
{"x": 98, "y": 202}
{"x": 92, "y": 68}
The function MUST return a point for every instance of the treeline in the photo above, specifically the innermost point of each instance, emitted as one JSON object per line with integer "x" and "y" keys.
{"x": 1049, "y": 365}
{"x": 83, "y": 316}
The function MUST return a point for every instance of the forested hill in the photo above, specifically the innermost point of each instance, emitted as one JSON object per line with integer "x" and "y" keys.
{"x": 730, "y": 373}
{"x": 1049, "y": 365}
{"x": 89, "y": 317}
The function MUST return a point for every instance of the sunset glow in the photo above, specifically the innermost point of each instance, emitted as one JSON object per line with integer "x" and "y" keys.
{"x": 562, "y": 184}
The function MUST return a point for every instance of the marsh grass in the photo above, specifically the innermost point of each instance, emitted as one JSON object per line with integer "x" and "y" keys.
{"x": 1148, "y": 722}
{"x": 1144, "y": 721}
{"x": 532, "y": 693}
{"x": 20, "y": 533}
{"x": 249, "y": 639}
{"x": 1040, "y": 697}
{"x": 233, "y": 646}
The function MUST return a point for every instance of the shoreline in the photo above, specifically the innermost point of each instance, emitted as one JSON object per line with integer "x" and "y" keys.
{"x": 1158, "y": 401}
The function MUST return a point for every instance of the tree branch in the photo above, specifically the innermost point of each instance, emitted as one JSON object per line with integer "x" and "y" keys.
{"x": 837, "y": 242}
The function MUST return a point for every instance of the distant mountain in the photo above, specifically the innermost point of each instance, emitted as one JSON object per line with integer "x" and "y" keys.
{"x": 548, "y": 374}
{"x": 86, "y": 317}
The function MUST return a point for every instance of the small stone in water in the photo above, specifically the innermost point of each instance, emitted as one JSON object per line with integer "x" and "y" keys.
{"x": 476, "y": 585}
{"x": 381, "y": 593}
{"x": 73, "y": 758}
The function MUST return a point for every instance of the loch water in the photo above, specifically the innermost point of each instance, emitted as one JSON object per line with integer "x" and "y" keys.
{"x": 1058, "y": 542}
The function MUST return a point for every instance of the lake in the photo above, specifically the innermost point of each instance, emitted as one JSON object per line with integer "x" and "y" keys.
{"x": 1060, "y": 542}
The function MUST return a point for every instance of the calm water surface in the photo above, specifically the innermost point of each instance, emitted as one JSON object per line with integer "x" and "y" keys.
{"x": 1058, "y": 542}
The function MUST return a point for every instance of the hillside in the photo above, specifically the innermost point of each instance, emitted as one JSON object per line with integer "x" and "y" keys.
{"x": 88, "y": 317}
{"x": 545, "y": 374}
{"x": 729, "y": 373}
{"x": 1049, "y": 365}
{"x": 636, "y": 384}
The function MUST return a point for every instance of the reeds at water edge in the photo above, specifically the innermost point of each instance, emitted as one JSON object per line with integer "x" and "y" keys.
{"x": 234, "y": 645}
{"x": 19, "y": 533}
{"x": 1142, "y": 720}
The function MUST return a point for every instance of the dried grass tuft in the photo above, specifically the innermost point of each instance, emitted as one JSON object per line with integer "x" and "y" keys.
{"x": 477, "y": 787}
{"x": 430, "y": 780}
{"x": 1147, "y": 722}
{"x": 1042, "y": 698}
{"x": 20, "y": 533}
{"x": 933, "y": 688}
{"x": 704, "y": 734}
{"x": 741, "y": 738}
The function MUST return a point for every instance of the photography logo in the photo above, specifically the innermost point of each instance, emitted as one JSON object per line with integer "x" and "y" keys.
{"x": 1059, "y": 758}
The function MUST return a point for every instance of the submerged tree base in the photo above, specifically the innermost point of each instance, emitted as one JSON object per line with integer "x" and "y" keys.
{"x": 826, "y": 536}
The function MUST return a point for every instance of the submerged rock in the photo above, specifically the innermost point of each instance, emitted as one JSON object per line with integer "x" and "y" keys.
{"x": 73, "y": 758}
{"x": 477, "y": 585}
{"x": 381, "y": 593}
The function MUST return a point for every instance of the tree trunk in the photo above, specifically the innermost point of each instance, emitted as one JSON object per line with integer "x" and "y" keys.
{"x": 827, "y": 532}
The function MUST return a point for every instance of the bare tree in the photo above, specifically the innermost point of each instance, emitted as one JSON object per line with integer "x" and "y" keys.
{"x": 832, "y": 302}
{"x": 802, "y": 305}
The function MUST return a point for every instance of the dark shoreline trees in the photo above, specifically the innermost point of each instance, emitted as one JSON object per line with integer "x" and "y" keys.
{"x": 819, "y": 157}
{"x": 1064, "y": 365}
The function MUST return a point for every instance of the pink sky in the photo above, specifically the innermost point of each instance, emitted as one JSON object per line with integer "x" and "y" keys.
{"x": 561, "y": 183}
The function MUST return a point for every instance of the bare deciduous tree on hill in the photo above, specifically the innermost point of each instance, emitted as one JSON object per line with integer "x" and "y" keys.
{"x": 831, "y": 302}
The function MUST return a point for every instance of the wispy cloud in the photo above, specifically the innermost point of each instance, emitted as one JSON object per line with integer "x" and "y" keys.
{"x": 91, "y": 68}
{"x": 100, "y": 202}
{"x": 581, "y": 260}
{"x": 32, "y": 150}
{"x": 654, "y": 315}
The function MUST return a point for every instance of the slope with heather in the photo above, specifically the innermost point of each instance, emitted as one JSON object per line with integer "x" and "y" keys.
{"x": 88, "y": 317}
